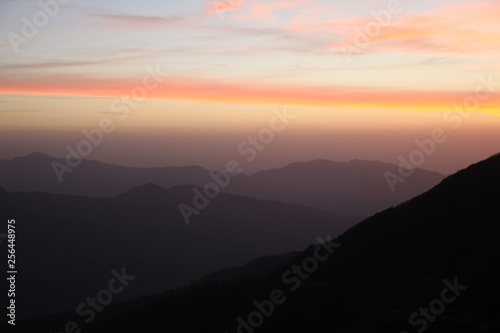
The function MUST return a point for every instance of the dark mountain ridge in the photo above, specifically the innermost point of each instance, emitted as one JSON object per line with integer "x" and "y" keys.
{"x": 69, "y": 244}
{"x": 438, "y": 248}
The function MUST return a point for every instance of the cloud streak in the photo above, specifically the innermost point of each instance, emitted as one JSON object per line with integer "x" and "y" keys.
{"x": 257, "y": 93}
{"x": 134, "y": 22}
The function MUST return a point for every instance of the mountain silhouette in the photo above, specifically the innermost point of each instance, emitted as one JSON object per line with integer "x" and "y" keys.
{"x": 69, "y": 244}
{"x": 34, "y": 172}
{"x": 433, "y": 258}
{"x": 355, "y": 188}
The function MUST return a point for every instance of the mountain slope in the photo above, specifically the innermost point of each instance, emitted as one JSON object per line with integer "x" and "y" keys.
{"x": 69, "y": 244}
{"x": 388, "y": 269}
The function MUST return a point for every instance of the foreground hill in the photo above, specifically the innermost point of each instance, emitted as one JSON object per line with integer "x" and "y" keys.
{"x": 355, "y": 188}
{"x": 429, "y": 265}
{"x": 68, "y": 245}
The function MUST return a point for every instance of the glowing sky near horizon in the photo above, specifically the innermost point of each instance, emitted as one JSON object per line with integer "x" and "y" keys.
{"x": 226, "y": 64}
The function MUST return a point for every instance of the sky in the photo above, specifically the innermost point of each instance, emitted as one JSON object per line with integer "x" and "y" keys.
{"x": 186, "y": 82}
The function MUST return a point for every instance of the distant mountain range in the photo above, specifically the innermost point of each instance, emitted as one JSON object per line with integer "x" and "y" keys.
{"x": 67, "y": 245}
{"x": 34, "y": 172}
{"x": 429, "y": 264}
{"x": 355, "y": 188}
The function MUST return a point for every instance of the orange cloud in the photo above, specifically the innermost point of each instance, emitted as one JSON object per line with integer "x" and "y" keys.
{"x": 458, "y": 28}
{"x": 277, "y": 94}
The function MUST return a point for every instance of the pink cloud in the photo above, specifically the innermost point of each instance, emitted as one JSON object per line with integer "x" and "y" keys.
{"x": 217, "y": 6}
{"x": 260, "y": 10}
{"x": 456, "y": 28}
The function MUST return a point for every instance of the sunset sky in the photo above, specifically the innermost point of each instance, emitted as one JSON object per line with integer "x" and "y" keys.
{"x": 363, "y": 78}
